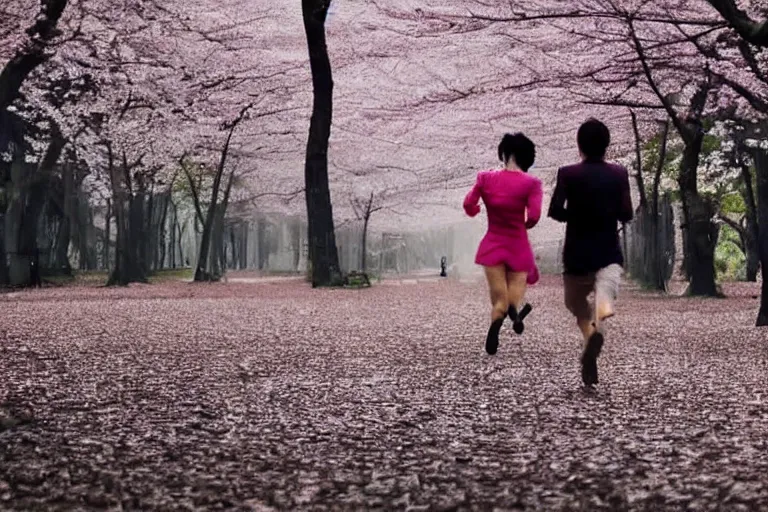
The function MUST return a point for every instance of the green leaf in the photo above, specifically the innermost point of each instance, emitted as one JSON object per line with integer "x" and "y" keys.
{"x": 733, "y": 203}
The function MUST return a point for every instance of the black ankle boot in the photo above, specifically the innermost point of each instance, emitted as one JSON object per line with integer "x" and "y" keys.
{"x": 517, "y": 318}
{"x": 492, "y": 340}
{"x": 589, "y": 359}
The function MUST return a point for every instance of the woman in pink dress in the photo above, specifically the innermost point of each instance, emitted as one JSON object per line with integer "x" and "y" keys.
{"x": 513, "y": 201}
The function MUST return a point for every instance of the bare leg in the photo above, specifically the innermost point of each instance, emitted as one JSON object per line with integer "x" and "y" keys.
{"x": 497, "y": 286}
{"x": 577, "y": 289}
{"x": 587, "y": 328}
{"x": 516, "y": 285}
{"x": 606, "y": 289}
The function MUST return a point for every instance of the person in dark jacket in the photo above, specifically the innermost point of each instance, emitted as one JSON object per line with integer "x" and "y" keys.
{"x": 592, "y": 197}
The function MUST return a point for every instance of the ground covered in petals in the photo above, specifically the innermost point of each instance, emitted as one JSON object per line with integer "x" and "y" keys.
{"x": 270, "y": 395}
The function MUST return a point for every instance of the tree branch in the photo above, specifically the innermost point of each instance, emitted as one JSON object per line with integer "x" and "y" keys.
{"x": 639, "y": 157}
{"x": 32, "y": 53}
{"x": 752, "y": 31}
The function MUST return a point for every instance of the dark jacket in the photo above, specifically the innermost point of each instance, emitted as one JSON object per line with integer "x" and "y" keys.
{"x": 591, "y": 198}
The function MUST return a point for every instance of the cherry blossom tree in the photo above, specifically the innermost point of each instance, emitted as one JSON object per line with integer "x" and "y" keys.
{"x": 166, "y": 76}
{"x": 202, "y": 272}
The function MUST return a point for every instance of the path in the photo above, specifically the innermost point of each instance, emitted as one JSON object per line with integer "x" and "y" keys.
{"x": 179, "y": 396}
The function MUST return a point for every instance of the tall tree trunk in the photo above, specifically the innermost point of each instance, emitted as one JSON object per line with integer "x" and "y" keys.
{"x": 129, "y": 209}
{"x": 296, "y": 244}
{"x": 261, "y": 239}
{"x": 107, "y": 234}
{"x": 658, "y": 275}
{"x": 160, "y": 251}
{"x": 363, "y": 257}
{"x": 244, "y": 245}
{"x": 761, "y": 165}
{"x": 752, "y": 255}
{"x": 751, "y": 232}
{"x": 235, "y": 244}
{"x": 137, "y": 230}
{"x": 220, "y": 225}
{"x": 61, "y": 258}
{"x": 18, "y": 261}
{"x": 29, "y": 192}
{"x": 4, "y": 278}
{"x": 172, "y": 238}
{"x": 700, "y": 232}
{"x": 179, "y": 241}
{"x": 65, "y": 234}
{"x": 323, "y": 253}
{"x": 201, "y": 273}
{"x": 149, "y": 243}
{"x": 83, "y": 225}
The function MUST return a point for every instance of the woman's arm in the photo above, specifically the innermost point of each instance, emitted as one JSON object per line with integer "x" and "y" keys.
{"x": 471, "y": 206}
{"x": 533, "y": 208}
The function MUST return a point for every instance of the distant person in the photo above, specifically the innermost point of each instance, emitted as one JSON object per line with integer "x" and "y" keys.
{"x": 513, "y": 201}
{"x": 591, "y": 197}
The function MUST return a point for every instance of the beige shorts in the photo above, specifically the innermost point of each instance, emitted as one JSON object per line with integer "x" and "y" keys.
{"x": 605, "y": 284}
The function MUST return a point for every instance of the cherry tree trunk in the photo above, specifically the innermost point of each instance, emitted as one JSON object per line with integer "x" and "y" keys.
{"x": 363, "y": 257}
{"x": 243, "y": 257}
{"x": 179, "y": 239}
{"x": 107, "y": 234}
{"x": 203, "y": 271}
{"x": 761, "y": 164}
{"x": 4, "y": 278}
{"x": 18, "y": 264}
{"x": 751, "y": 233}
{"x": 128, "y": 210}
{"x": 160, "y": 263}
{"x": 65, "y": 227}
{"x": 700, "y": 232}
{"x": 172, "y": 238}
{"x": 148, "y": 241}
{"x": 262, "y": 251}
{"x": 323, "y": 254}
{"x": 61, "y": 257}
{"x": 752, "y": 253}
{"x": 129, "y": 264}
{"x": 235, "y": 245}
{"x": 220, "y": 226}
{"x": 29, "y": 188}
{"x": 296, "y": 244}
{"x": 217, "y": 258}
{"x": 208, "y": 259}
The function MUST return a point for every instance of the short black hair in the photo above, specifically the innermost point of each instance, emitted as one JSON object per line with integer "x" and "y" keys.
{"x": 519, "y": 146}
{"x": 593, "y": 138}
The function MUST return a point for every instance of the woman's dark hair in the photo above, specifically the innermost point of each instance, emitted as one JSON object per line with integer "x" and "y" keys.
{"x": 593, "y": 138}
{"x": 520, "y": 147}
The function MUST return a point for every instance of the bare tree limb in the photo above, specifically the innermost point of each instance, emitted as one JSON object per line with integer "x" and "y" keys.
{"x": 754, "y": 32}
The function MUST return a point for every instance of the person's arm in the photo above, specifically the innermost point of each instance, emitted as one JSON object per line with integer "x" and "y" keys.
{"x": 557, "y": 209}
{"x": 533, "y": 207}
{"x": 471, "y": 206}
{"x": 625, "y": 207}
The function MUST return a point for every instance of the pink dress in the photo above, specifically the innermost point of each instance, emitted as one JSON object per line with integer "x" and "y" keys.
{"x": 507, "y": 195}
